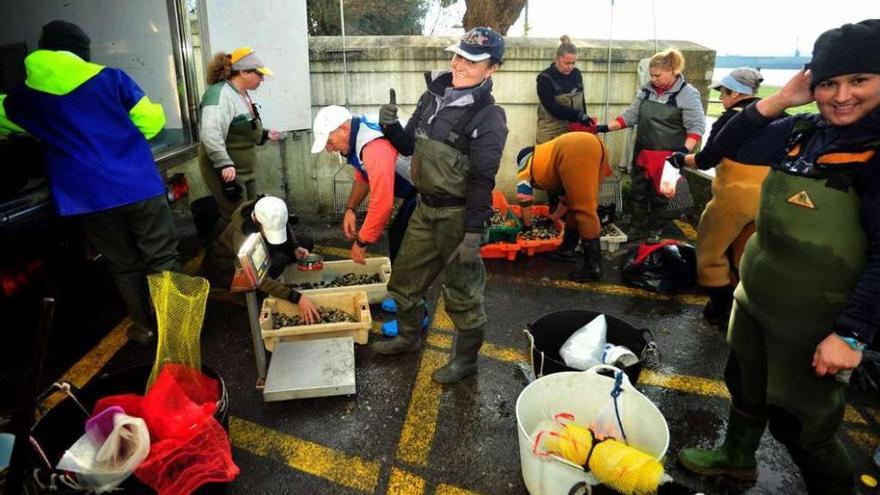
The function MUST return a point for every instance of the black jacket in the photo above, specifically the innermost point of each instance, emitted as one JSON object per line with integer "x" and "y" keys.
{"x": 753, "y": 139}
{"x": 565, "y": 85}
{"x": 486, "y": 133}
{"x": 708, "y": 157}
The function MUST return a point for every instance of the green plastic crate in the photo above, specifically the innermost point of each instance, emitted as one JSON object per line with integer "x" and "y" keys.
{"x": 505, "y": 234}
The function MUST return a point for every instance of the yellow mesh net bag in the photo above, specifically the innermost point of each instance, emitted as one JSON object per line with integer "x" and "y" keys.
{"x": 615, "y": 464}
{"x": 179, "y": 301}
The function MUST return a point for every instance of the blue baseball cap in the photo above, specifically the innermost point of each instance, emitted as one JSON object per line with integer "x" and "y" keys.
{"x": 744, "y": 80}
{"x": 480, "y": 43}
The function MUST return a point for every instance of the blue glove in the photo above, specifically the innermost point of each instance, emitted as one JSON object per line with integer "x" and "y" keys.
{"x": 468, "y": 251}
{"x": 677, "y": 159}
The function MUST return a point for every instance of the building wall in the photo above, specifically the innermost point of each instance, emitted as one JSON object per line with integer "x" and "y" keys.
{"x": 377, "y": 63}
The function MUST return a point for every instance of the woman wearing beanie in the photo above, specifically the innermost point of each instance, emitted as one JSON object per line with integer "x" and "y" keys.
{"x": 669, "y": 116}
{"x": 231, "y": 128}
{"x": 456, "y": 136}
{"x": 809, "y": 297}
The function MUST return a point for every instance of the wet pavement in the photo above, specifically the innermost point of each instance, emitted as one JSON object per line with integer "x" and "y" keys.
{"x": 403, "y": 434}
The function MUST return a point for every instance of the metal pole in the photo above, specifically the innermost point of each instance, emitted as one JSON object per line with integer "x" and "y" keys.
{"x": 608, "y": 73}
{"x": 256, "y": 336}
{"x": 344, "y": 59}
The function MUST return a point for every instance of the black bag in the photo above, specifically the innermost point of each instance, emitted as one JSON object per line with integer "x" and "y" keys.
{"x": 668, "y": 266}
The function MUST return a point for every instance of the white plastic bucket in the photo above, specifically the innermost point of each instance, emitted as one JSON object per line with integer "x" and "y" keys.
{"x": 582, "y": 394}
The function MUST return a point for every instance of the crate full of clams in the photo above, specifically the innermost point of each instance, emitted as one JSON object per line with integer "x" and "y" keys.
{"x": 343, "y": 276}
{"x": 341, "y": 314}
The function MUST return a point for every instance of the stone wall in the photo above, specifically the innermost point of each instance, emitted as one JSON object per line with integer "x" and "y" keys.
{"x": 377, "y": 63}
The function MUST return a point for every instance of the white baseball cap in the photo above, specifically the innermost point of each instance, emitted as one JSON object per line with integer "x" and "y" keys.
{"x": 328, "y": 120}
{"x": 271, "y": 213}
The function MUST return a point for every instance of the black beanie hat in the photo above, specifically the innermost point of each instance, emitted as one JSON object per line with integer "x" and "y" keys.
{"x": 523, "y": 152}
{"x": 849, "y": 49}
{"x": 63, "y": 35}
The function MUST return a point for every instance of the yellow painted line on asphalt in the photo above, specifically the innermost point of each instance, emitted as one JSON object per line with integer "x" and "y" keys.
{"x": 866, "y": 441}
{"x": 86, "y": 368}
{"x": 851, "y": 415}
{"x": 302, "y": 455}
{"x": 442, "y": 320}
{"x": 420, "y": 424}
{"x": 599, "y": 288}
{"x": 684, "y": 383}
{"x": 687, "y": 229}
{"x": 404, "y": 483}
{"x": 444, "y": 489}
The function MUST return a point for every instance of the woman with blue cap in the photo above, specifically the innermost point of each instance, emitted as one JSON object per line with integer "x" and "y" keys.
{"x": 456, "y": 137}
{"x": 809, "y": 298}
{"x": 728, "y": 220}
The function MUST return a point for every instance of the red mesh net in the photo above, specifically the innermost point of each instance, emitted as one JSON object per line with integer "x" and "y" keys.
{"x": 188, "y": 446}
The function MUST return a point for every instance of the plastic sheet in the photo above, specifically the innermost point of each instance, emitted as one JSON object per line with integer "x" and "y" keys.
{"x": 584, "y": 349}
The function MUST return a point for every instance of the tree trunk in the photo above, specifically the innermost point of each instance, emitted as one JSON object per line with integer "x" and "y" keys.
{"x": 496, "y": 14}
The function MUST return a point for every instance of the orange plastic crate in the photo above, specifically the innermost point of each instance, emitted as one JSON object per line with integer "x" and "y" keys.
{"x": 500, "y": 250}
{"x": 530, "y": 247}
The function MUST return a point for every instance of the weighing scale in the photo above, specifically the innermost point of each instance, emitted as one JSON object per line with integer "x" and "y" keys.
{"x": 298, "y": 369}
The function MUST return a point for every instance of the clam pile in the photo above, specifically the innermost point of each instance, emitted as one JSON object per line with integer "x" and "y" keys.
{"x": 328, "y": 315}
{"x": 542, "y": 229}
{"x": 344, "y": 280}
{"x": 499, "y": 220}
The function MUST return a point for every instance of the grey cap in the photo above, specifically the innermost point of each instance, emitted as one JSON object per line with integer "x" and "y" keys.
{"x": 744, "y": 80}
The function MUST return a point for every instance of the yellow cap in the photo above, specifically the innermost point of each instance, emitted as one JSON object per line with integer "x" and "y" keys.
{"x": 868, "y": 480}
{"x": 245, "y": 58}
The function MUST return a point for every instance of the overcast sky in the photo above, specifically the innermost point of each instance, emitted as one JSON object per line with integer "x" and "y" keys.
{"x": 731, "y": 27}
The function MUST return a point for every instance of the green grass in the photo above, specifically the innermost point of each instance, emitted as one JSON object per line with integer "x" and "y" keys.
{"x": 715, "y": 109}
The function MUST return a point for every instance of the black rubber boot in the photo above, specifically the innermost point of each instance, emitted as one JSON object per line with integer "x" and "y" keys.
{"x": 408, "y": 339}
{"x": 463, "y": 360}
{"x": 566, "y": 252}
{"x": 717, "y": 310}
{"x": 591, "y": 268}
{"x": 736, "y": 456}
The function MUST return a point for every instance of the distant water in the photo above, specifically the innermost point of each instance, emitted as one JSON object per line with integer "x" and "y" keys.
{"x": 772, "y": 77}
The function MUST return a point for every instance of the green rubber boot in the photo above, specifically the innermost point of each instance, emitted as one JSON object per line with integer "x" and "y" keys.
{"x": 736, "y": 456}
{"x": 463, "y": 362}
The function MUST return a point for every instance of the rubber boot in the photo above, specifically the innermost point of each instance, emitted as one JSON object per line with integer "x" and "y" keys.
{"x": 717, "y": 310}
{"x": 566, "y": 252}
{"x": 827, "y": 468}
{"x": 408, "y": 339}
{"x": 591, "y": 268}
{"x": 736, "y": 456}
{"x": 463, "y": 360}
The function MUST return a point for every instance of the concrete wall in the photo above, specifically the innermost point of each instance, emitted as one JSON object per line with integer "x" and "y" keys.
{"x": 377, "y": 63}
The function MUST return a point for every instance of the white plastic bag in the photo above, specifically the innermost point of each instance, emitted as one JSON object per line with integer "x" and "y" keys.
{"x": 585, "y": 347}
{"x": 669, "y": 179}
{"x": 608, "y": 423}
{"x": 103, "y": 464}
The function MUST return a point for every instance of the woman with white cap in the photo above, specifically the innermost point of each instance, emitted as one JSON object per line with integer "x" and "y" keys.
{"x": 231, "y": 128}
{"x": 456, "y": 136}
{"x": 268, "y": 216}
{"x": 727, "y": 221}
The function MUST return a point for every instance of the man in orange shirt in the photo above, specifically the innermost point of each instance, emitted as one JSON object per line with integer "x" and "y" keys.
{"x": 574, "y": 162}
{"x": 379, "y": 171}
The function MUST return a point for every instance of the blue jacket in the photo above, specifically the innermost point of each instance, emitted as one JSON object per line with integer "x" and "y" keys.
{"x": 94, "y": 123}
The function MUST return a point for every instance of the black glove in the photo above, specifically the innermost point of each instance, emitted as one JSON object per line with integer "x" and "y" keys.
{"x": 677, "y": 159}
{"x": 231, "y": 190}
{"x": 388, "y": 112}
{"x": 602, "y": 128}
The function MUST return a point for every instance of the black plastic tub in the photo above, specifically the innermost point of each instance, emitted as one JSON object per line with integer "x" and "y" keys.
{"x": 550, "y": 331}
{"x": 62, "y": 425}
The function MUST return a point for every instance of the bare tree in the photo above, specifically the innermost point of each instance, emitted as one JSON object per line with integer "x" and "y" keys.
{"x": 496, "y": 14}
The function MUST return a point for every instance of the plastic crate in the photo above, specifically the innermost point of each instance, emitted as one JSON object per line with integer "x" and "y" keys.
{"x": 500, "y": 250}
{"x": 610, "y": 243}
{"x": 505, "y": 234}
{"x": 353, "y": 303}
{"x": 376, "y": 293}
{"x": 530, "y": 247}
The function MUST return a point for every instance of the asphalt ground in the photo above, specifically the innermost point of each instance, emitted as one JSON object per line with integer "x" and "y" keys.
{"x": 403, "y": 434}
